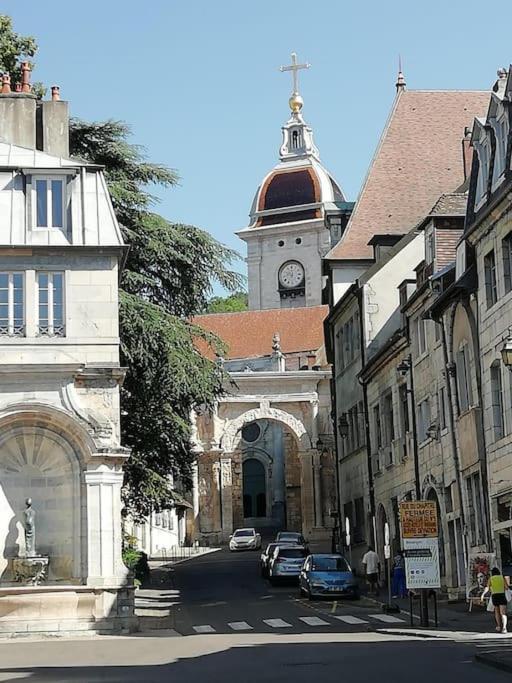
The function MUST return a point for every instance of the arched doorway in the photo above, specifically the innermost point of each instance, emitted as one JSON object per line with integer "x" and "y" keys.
{"x": 254, "y": 488}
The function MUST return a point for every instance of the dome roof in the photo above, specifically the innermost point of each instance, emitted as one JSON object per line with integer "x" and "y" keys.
{"x": 302, "y": 187}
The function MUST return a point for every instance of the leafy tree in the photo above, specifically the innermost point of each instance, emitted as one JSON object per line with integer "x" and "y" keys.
{"x": 15, "y": 49}
{"x": 168, "y": 278}
{"x": 233, "y": 303}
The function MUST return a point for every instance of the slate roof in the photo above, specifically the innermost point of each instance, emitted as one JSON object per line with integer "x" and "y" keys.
{"x": 419, "y": 156}
{"x": 450, "y": 204}
{"x": 249, "y": 334}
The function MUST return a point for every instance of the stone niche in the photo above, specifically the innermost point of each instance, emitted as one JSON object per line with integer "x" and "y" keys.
{"x": 39, "y": 463}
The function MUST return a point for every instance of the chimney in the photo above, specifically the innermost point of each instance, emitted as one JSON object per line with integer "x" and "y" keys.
{"x": 467, "y": 153}
{"x": 18, "y": 112}
{"x": 53, "y": 125}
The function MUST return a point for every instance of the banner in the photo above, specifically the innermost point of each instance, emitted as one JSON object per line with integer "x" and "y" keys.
{"x": 479, "y": 571}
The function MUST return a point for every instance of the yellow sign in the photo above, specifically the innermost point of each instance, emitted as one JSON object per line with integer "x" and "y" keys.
{"x": 418, "y": 519}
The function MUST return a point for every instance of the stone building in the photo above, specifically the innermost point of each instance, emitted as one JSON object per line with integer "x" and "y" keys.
{"x": 486, "y": 256}
{"x": 377, "y": 252}
{"x": 265, "y": 455}
{"x": 60, "y": 256}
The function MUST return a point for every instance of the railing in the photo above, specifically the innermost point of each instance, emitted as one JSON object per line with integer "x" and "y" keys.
{"x": 179, "y": 552}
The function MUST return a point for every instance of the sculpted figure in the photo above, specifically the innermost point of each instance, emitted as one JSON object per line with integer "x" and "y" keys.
{"x": 30, "y": 528}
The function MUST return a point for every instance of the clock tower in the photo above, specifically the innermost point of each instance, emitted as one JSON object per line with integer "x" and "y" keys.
{"x": 298, "y": 214}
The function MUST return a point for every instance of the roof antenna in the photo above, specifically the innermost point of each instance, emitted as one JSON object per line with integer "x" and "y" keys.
{"x": 400, "y": 81}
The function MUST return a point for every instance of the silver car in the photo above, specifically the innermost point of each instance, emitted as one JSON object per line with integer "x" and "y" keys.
{"x": 286, "y": 562}
{"x": 245, "y": 539}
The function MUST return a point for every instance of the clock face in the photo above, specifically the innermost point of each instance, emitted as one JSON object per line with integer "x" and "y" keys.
{"x": 291, "y": 275}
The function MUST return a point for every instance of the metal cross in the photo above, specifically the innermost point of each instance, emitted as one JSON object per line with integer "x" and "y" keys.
{"x": 295, "y": 68}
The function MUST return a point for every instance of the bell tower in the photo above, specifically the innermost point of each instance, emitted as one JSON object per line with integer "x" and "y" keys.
{"x": 291, "y": 217}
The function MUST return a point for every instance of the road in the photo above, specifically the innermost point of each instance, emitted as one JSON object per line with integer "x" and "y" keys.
{"x": 252, "y": 632}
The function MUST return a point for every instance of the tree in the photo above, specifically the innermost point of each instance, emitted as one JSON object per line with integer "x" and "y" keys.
{"x": 15, "y": 49}
{"x": 233, "y": 303}
{"x": 168, "y": 278}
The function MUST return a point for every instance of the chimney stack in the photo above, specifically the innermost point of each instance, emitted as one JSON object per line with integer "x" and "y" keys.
{"x": 55, "y": 93}
{"x": 25, "y": 78}
{"x": 6, "y": 84}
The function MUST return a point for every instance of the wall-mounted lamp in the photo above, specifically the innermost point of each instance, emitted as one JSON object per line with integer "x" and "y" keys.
{"x": 506, "y": 353}
{"x": 403, "y": 367}
{"x": 343, "y": 425}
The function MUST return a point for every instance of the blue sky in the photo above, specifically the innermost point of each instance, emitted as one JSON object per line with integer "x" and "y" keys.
{"x": 199, "y": 81}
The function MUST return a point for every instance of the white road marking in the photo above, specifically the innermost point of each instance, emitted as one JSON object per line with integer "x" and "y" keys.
{"x": 276, "y": 623}
{"x": 350, "y": 620}
{"x": 314, "y": 621}
{"x": 388, "y": 618}
{"x": 204, "y": 629}
{"x": 239, "y": 626}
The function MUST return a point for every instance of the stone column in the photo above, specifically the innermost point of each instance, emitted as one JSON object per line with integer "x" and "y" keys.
{"x": 104, "y": 540}
{"x": 317, "y": 478}
{"x": 226, "y": 480}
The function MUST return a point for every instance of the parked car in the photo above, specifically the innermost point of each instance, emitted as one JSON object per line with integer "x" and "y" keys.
{"x": 265, "y": 558}
{"x": 286, "y": 562}
{"x": 245, "y": 539}
{"x": 293, "y": 537}
{"x": 327, "y": 575}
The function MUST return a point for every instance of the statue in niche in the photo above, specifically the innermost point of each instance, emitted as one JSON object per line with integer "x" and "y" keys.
{"x": 30, "y": 529}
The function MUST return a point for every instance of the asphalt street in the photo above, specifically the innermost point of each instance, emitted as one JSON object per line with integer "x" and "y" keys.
{"x": 251, "y": 632}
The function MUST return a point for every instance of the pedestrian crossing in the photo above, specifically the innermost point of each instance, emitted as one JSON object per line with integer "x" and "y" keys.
{"x": 327, "y": 620}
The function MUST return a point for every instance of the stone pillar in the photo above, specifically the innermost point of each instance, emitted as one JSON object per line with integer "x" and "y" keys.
{"x": 226, "y": 481}
{"x": 317, "y": 478}
{"x": 314, "y": 422}
{"x": 105, "y": 566}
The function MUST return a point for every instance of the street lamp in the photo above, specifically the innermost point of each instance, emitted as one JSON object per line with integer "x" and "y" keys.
{"x": 343, "y": 425}
{"x": 506, "y": 353}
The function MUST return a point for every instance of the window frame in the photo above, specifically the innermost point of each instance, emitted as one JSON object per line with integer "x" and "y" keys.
{"x": 490, "y": 278}
{"x": 12, "y": 329}
{"x": 506, "y": 258}
{"x": 424, "y": 422}
{"x": 497, "y": 403}
{"x": 465, "y": 390}
{"x": 49, "y": 179}
{"x": 50, "y": 330}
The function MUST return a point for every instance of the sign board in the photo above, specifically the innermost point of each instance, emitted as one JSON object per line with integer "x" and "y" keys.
{"x": 479, "y": 570}
{"x": 387, "y": 552}
{"x": 422, "y": 562}
{"x": 418, "y": 519}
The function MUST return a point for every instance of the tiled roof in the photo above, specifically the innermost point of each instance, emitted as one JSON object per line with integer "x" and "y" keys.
{"x": 452, "y": 204}
{"x": 419, "y": 157}
{"x": 248, "y": 334}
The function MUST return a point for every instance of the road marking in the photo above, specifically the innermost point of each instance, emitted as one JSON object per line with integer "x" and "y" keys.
{"x": 204, "y": 629}
{"x": 276, "y": 623}
{"x": 239, "y": 626}
{"x": 350, "y": 620}
{"x": 213, "y": 604}
{"x": 314, "y": 621}
{"x": 386, "y": 617}
{"x": 266, "y": 597}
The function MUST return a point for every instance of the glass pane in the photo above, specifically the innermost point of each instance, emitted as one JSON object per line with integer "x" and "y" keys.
{"x": 43, "y": 313}
{"x": 4, "y": 296}
{"x": 57, "y": 287}
{"x": 4, "y": 311}
{"x": 57, "y": 315}
{"x": 57, "y": 221}
{"x": 42, "y": 204}
{"x": 18, "y": 311}
{"x": 4, "y": 280}
{"x": 43, "y": 280}
{"x": 43, "y": 296}
{"x": 17, "y": 279}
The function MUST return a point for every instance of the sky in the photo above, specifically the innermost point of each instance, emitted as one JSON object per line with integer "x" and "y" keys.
{"x": 199, "y": 82}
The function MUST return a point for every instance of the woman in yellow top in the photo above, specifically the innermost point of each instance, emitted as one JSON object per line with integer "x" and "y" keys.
{"x": 497, "y": 585}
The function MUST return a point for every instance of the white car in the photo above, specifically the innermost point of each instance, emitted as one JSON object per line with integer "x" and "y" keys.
{"x": 245, "y": 539}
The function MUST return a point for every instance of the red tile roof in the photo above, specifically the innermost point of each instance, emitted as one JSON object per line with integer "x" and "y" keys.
{"x": 418, "y": 158}
{"x": 248, "y": 334}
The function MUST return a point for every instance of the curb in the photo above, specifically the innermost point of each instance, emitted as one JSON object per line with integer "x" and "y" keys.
{"x": 163, "y": 562}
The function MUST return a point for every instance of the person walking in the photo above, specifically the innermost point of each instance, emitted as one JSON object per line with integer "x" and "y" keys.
{"x": 371, "y": 564}
{"x": 398, "y": 581}
{"x": 498, "y": 585}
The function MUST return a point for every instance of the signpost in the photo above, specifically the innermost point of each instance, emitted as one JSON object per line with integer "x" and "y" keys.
{"x": 387, "y": 557}
{"x": 420, "y": 540}
{"x": 347, "y": 540}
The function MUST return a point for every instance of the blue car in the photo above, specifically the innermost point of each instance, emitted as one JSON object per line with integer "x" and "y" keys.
{"x": 327, "y": 576}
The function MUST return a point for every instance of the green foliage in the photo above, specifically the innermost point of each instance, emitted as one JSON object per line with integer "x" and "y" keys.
{"x": 228, "y": 304}
{"x": 168, "y": 278}
{"x": 135, "y": 560}
{"x": 15, "y": 49}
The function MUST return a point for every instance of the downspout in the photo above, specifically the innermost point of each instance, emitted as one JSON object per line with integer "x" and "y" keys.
{"x": 371, "y": 489}
{"x": 452, "y": 398}
{"x": 416, "y": 455}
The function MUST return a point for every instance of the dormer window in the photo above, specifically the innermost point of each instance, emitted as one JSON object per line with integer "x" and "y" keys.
{"x": 49, "y": 202}
{"x": 483, "y": 173}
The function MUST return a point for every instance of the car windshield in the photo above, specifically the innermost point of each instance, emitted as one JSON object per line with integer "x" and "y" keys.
{"x": 284, "y": 537}
{"x": 244, "y": 532}
{"x": 329, "y": 564}
{"x": 292, "y": 552}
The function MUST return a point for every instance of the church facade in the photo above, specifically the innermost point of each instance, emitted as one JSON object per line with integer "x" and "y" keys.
{"x": 265, "y": 456}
